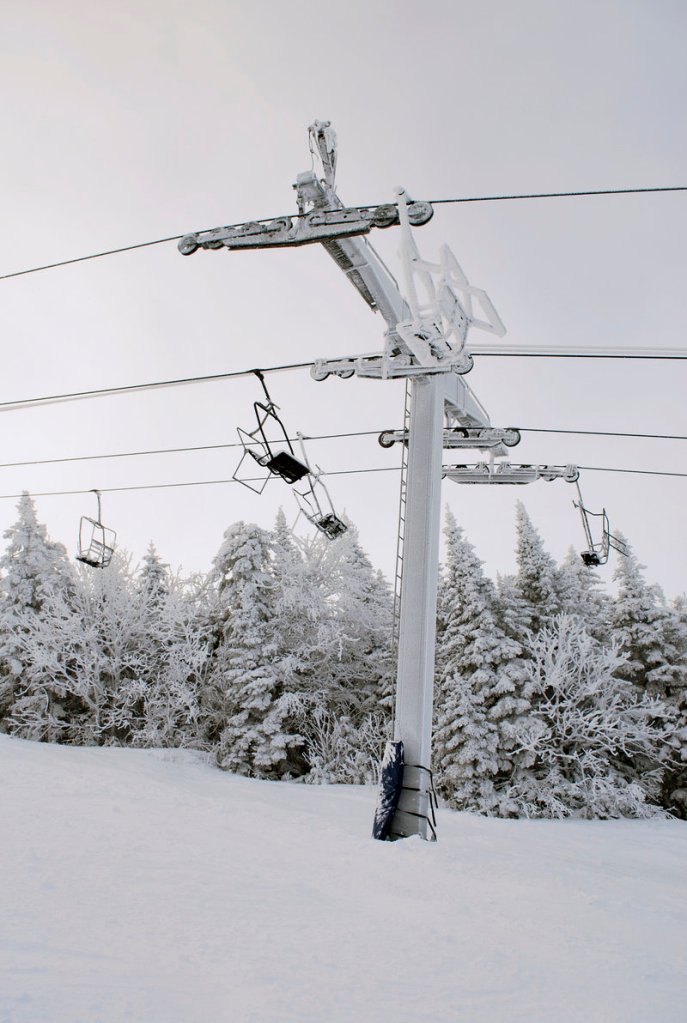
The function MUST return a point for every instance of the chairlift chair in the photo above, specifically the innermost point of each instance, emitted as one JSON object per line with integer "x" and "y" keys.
{"x": 596, "y": 554}
{"x": 268, "y": 445}
{"x": 96, "y": 541}
{"x": 315, "y": 504}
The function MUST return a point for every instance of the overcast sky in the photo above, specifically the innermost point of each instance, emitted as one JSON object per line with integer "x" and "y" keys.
{"x": 133, "y": 121}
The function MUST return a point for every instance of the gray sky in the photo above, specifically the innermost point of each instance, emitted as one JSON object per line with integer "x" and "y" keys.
{"x": 128, "y": 122}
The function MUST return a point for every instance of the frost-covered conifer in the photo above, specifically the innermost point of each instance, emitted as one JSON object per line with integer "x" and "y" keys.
{"x": 536, "y": 575}
{"x": 299, "y": 608}
{"x": 646, "y": 631}
{"x": 87, "y": 656}
{"x": 580, "y": 593}
{"x": 481, "y": 705}
{"x": 652, "y": 636}
{"x": 344, "y": 699}
{"x": 251, "y": 705}
{"x": 511, "y": 610}
{"x": 176, "y": 665}
{"x": 359, "y": 623}
{"x": 593, "y": 724}
{"x": 153, "y": 578}
{"x": 33, "y": 569}
{"x": 674, "y": 791}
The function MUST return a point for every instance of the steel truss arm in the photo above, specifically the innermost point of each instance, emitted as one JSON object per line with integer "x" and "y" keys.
{"x": 319, "y": 225}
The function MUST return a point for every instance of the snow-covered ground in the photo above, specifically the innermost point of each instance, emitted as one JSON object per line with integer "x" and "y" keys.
{"x": 149, "y": 887}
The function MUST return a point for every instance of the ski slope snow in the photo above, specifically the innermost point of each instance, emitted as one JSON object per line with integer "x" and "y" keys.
{"x": 143, "y": 886}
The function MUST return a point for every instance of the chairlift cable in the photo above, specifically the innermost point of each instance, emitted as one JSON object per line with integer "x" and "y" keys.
{"x": 559, "y": 195}
{"x": 308, "y": 437}
{"x": 101, "y": 392}
{"x": 434, "y": 202}
{"x": 174, "y": 451}
{"x": 94, "y": 255}
{"x": 643, "y": 354}
{"x": 603, "y": 433}
{"x": 636, "y": 472}
{"x": 170, "y": 486}
{"x": 156, "y": 385}
{"x": 338, "y": 472}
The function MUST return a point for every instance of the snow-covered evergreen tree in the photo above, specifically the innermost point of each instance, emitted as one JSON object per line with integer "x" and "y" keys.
{"x": 593, "y": 724}
{"x": 250, "y": 705}
{"x": 175, "y": 657}
{"x": 299, "y": 610}
{"x": 34, "y": 568}
{"x": 153, "y": 578}
{"x": 646, "y": 630}
{"x": 346, "y": 705}
{"x": 112, "y": 659}
{"x": 481, "y": 703}
{"x": 87, "y": 657}
{"x": 511, "y": 610}
{"x": 674, "y": 789}
{"x": 536, "y": 574}
{"x": 358, "y": 629}
{"x": 580, "y": 593}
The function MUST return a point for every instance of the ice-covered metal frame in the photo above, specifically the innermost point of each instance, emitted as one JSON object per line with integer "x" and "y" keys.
{"x": 429, "y": 324}
{"x": 438, "y": 326}
{"x": 267, "y": 446}
{"x": 314, "y": 501}
{"x": 505, "y": 472}
{"x": 597, "y": 553}
{"x": 303, "y": 229}
{"x": 96, "y": 541}
{"x": 476, "y": 437}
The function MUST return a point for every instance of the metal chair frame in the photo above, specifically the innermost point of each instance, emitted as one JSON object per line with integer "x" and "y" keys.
{"x": 268, "y": 453}
{"x": 597, "y": 554}
{"x": 314, "y": 502}
{"x": 96, "y": 541}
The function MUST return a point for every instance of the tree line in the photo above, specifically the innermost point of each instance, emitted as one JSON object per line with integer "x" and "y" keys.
{"x": 552, "y": 698}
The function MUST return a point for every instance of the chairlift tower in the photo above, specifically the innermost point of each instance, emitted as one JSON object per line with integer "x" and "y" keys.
{"x": 427, "y": 325}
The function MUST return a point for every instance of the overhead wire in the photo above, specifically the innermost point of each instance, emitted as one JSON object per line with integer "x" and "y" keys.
{"x": 294, "y": 216}
{"x": 174, "y": 451}
{"x": 155, "y": 385}
{"x": 605, "y": 433}
{"x": 191, "y": 483}
{"x": 635, "y": 472}
{"x": 192, "y": 449}
{"x": 339, "y": 472}
{"x": 560, "y": 195}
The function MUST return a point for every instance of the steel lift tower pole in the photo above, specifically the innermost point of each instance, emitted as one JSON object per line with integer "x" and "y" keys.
{"x": 425, "y": 344}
